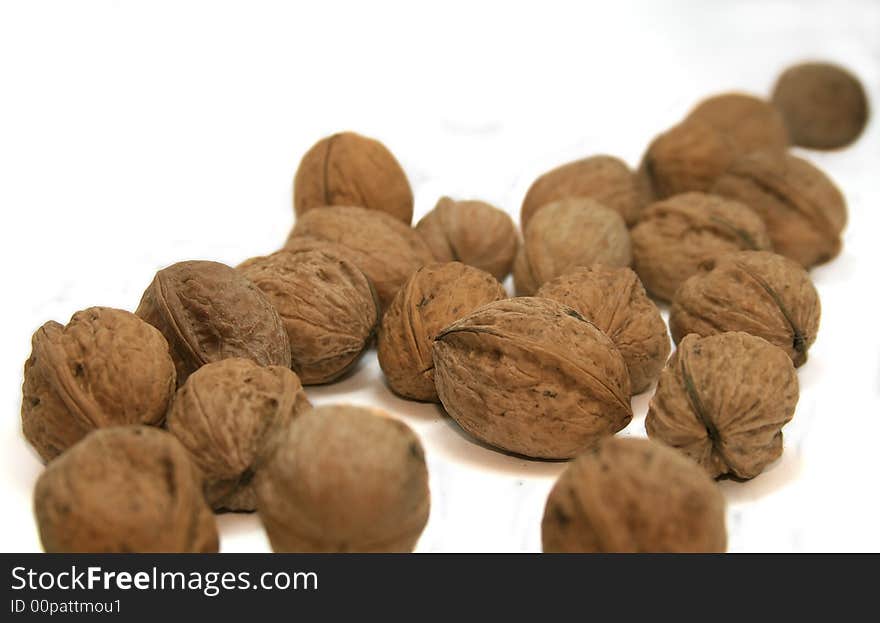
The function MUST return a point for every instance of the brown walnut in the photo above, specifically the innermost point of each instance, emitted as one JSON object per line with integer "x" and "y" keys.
{"x": 345, "y": 479}
{"x": 433, "y": 298}
{"x": 723, "y": 400}
{"x": 107, "y": 367}
{"x": 533, "y": 377}
{"x": 126, "y": 489}
{"x": 614, "y": 300}
{"x": 749, "y": 122}
{"x": 634, "y": 496}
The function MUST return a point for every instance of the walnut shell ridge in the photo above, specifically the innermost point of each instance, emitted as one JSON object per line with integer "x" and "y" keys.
{"x": 345, "y": 479}
{"x": 532, "y": 377}
{"x": 125, "y": 489}
{"x": 614, "y": 300}
{"x": 723, "y": 400}
{"x": 634, "y": 496}
{"x": 434, "y": 297}
{"x": 750, "y": 122}
{"x": 107, "y": 367}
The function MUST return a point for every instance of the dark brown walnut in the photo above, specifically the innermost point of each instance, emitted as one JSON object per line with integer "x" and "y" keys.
{"x": 472, "y": 232}
{"x": 208, "y": 311}
{"x": 566, "y": 234}
{"x": 760, "y": 293}
{"x": 676, "y": 236}
{"x": 803, "y": 210}
{"x": 386, "y": 250}
{"x": 107, "y": 367}
{"x": 226, "y": 415}
{"x": 348, "y": 169}
{"x": 433, "y": 298}
{"x": 604, "y": 178}
{"x": 751, "y": 123}
{"x": 345, "y": 479}
{"x": 126, "y": 489}
{"x": 723, "y": 400}
{"x": 328, "y": 306}
{"x": 614, "y": 300}
{"x": 824, "y": 106}
{"x": 634, "y": 496}
{"x": 533, "y": 377}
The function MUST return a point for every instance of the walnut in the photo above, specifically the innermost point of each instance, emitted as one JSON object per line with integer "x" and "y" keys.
{"x": 824, "y": 106}
{"x": 471, "y": 232}
{"x": 107, "y": 367}
{"x": 349, "y": 169}
{"x": 345, "y": 479}
{"x": 434, "y": 297}
{"x": 749, "y": 122}
{"x": 328, "y": 306}
{"x": 760, "y": 293}
{"x": 723, "y": 400}
{"x": 634, "y": 496}
{"x": 225, "y": 415}
{"x": 386, "y": 250}
{"x": 605, "y": 179}
{"x": 124, "y": 489}
{"x": 614, "y": 300}
{"x": 532, "y": 377}
{"x": 803, "y": 209}
{"x": 679, "y": 234}
{"x": 566, "y": 234}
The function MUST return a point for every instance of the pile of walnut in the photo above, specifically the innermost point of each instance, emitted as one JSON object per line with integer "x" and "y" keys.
{"x": 150, "y": 422}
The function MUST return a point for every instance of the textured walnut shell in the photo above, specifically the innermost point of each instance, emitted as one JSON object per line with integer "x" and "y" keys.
{"x": 328, "y": 306}
{"x": 345, "y": 479}
{"x": 531, "y": 376}
{"x": 803, "y": 210}
{"x": 824, "y": 106}
{"x": 386, "y": 250}
{"x": 760, "y": 293}
{"x": 433, "y": 298}
{"x": 676, "y": 236}
{"x": 107, "y": 367}
{"x": 723, "y": 400}
{"x": 749, "y": 122}
{"x": 605, "y": 179}
{"x": 634, "y": 496}
{"x": 471, "y": 232}
{"x": 566, "y": 234}
{"x": 225, "y": 415}
{"x": 348, "y": 169}
{"x": 126, "y": 489}
{"x": 614, "y": 300}
{"x": 207, "y": 311}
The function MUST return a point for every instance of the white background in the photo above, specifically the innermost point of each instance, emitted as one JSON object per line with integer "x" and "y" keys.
{"x": 137, "y": 134}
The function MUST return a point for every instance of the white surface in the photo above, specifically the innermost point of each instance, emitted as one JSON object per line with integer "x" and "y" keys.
{"x": 134, "y": 135}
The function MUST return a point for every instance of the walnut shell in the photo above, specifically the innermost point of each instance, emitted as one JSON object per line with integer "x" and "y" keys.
{"x": 348, "y": 169}
{"x": 824, "y": 106}
{"x": 124, "y": 489}
{"x": 328, "y": 306}
{"x": 760, "y": 293}
{"x": 386, "y": 250}
{"x": 723, "y": 400}
{"x": 345, "y": 479}
{"x": 531, "y": 376}
{"x": 605, "y": 179}
{"x": 614, "y": 300}
{"x": 471, "y": 232}
{"x": 803, "y": 210}
{"x": 566, "y": 234}
{"x": 676, "y": 236}
{"x": 634, "y": 496}
{"x": 751, "y": 123}
{"x": 107, "y": 367}
{"x": 225, "y": 416}
{"x": 434, "y": 297}
{"x": 207, "y": 311}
